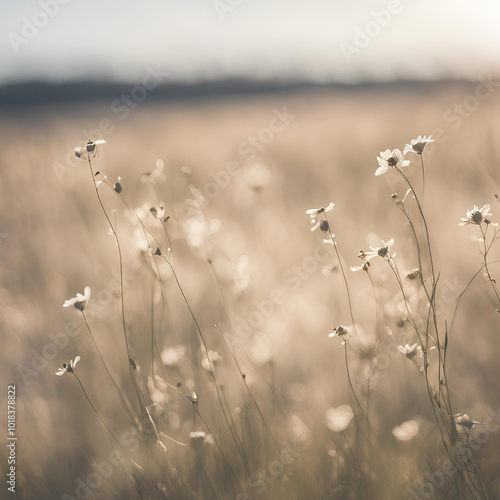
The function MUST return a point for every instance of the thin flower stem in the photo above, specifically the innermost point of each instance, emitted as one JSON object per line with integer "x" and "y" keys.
{"x": 350, "y": 381}
{"x": 440, "y": 419}
{"x": 485, "y": 260}
{"x": 432, "y": 296}
{"x": 120, "y": 260}
{"x": 111, "y": 434}
{"x": 153, "y": 338}
{"x": 117, "y": 241}
{"x": 432, "y": 310}
{"x": 223, "y": 299}
{"x": 210, "y": 363}
{"x": 125, "y": 401}
{"x": 228, "y": 417}
{"x": 344, "y": 276}
{"x": 170, "y": 264}
{"x": 225, "y": 308}
{"x": 462, "y": 293}
{"x": 425, "y": 372}
{"x": 242, "y": 374}
{"x": 423, "y": 174}
{"x": 411, "y": 320}
{"x": 424, "y": 220}
{"x": 208, "y": 480}
{"x": 421, "y": 277}
{"x": 429, "y": 250}
{"x": 94, "y": 408}
{"x": 226, "y": 461}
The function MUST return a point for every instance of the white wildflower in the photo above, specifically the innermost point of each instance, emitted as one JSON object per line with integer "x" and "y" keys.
{"x": 410, "y": 351}
{"x": 80, "y": 301}
{"x": 88, "y": 151}
{"x": 418, "y": 145}
{"x": 465, "y": 421}
{"x": 69, "y": 367}
{"x": 393, "y": 159}
{"x": 342, "y": 332}
{"x": 381, "y": 251}
{"x": 476, "y": 216}
{"x": 314, "y": 213}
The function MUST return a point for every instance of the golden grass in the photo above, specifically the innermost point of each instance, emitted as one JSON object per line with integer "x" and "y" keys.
{"x": 57, "y": 242}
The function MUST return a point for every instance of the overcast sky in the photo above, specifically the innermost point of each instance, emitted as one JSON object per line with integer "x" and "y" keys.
{"x": 341, "y": 40}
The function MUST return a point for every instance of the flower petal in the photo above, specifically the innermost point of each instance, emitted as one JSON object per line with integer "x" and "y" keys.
{"x": 396, "y": 154}
{"x": 381, "y": 170}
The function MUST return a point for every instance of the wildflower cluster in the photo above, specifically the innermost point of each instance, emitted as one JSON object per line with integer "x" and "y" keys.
{"x": 420, "y": 328}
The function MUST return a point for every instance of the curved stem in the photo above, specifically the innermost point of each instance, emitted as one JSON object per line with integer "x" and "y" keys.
{"x": 120, "y": 260}
{"x": 125, "y": 401}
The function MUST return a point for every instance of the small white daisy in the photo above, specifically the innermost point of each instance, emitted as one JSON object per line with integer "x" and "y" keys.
{"x": 381, "y": 251}
{"x": 418, "y": 145}
{"x": 340, "y": 331}
{"x": 80, "y": 301}
{"x": 314, "y": 213}
{"x": 410, "y": 351}
{"x": 465, "y": 421}
{"x": 393, "y": 159}
{"x": 364, "y": 267}
{"x": 476, "y": 216}
{"x": 159, "y": 211}
{"x": 323, "y": 225}
{"x": 197, "y": 440}
{"x": 413, "y": 275}
{"x": 89, "y": 150}
{"x": 70, "y": 367}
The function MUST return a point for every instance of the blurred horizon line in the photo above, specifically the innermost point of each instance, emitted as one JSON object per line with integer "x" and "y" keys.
{"x": 38, "y": 92}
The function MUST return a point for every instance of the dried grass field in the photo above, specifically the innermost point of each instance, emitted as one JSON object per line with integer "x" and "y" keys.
{"x": 226, "y": 265}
